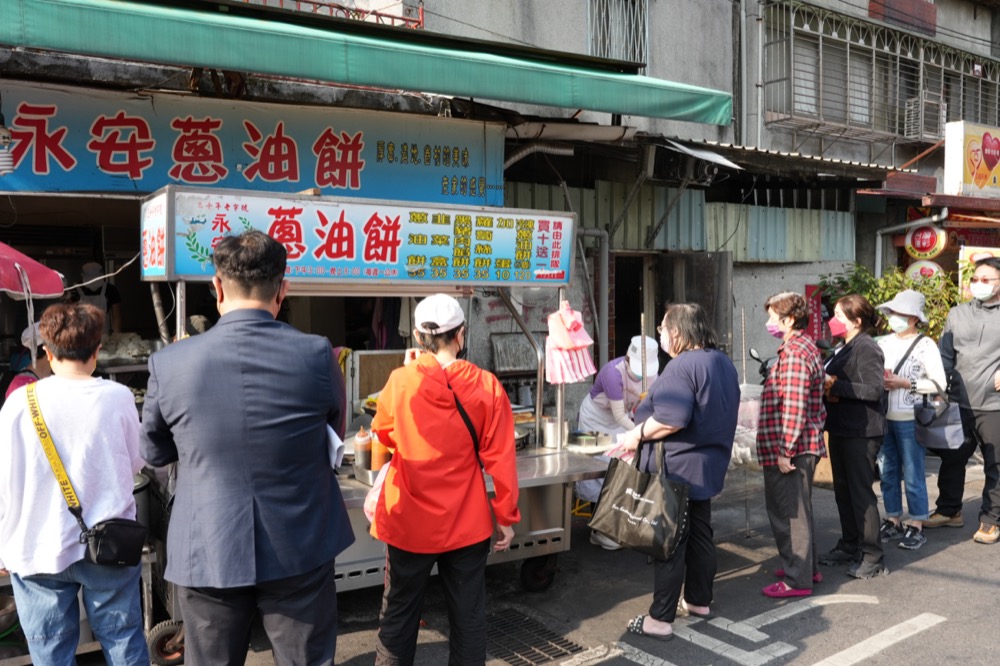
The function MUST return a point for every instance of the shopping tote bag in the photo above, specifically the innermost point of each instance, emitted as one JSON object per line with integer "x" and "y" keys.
{"x": 642, "y": 511}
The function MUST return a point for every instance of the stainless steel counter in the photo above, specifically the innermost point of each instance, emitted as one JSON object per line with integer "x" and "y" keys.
{"x": 545, "y": 481}
{"x": 535, "y": 467}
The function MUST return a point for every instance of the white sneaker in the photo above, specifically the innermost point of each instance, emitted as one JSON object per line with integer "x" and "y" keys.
{"x": 604, "y": 542}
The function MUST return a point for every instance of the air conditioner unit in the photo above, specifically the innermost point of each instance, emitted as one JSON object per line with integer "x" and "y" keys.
{"x": 925, "y": 118}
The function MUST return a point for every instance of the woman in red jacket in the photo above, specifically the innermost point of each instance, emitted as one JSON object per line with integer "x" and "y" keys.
{"x": 434, "y": 508}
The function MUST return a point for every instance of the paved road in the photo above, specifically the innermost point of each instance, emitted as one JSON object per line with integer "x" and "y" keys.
{"x": 937, "y": 607}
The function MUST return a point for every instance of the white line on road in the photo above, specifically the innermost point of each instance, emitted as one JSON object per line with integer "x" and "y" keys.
{"x": 882, "y": 640}
{"x": 796, "y": 607}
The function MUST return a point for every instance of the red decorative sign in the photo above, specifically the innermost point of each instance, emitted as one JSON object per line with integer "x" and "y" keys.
{"x": 925, "y": 242}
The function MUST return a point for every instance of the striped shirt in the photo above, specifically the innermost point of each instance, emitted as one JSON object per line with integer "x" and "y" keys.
{"x": 791, "y": 405}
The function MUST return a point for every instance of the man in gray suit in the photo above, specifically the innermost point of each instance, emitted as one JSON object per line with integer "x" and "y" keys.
{"x": 258, "y": 515}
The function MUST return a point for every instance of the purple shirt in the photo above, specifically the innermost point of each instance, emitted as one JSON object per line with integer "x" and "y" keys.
{"x": 609, "y": 380}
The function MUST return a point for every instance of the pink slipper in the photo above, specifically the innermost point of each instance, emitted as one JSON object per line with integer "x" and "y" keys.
{"x": 779, "y": 591}
{"x": 817, "y": 577}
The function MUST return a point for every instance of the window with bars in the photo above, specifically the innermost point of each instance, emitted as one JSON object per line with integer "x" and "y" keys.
{"x": 843, "y": 76}
{"x": 619, "y": 29}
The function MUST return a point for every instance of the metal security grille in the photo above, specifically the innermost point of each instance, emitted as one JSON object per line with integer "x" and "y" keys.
{"x": 837, "y": 75}
{"x": 619, "y": 29}
{"x": 519, "y": 640}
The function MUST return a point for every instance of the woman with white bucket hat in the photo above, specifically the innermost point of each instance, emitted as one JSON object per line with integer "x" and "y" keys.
{"x": 912, "y": 367}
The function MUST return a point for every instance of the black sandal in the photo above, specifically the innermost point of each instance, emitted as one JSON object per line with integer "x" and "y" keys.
{"x": 634, "y": 626}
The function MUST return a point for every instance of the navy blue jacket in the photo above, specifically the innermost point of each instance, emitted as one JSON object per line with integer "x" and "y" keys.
{"x": 243, "y": 410}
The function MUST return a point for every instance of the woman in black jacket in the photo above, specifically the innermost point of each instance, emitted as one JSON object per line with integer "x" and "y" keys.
{"x": 855, "y": 422}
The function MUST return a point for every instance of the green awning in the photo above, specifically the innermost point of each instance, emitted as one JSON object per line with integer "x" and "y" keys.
{"x": 167, "y": 35}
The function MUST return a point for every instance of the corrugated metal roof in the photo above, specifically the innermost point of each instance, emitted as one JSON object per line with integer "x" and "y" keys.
{"x": 751, "y": 233}
{"x": 776, "y": 235}
{"x": 751, "y": 157}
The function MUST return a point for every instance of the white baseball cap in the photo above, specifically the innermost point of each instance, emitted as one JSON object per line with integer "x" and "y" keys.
{"x": 438, "y": 314}
{"x": 635, "y": 356}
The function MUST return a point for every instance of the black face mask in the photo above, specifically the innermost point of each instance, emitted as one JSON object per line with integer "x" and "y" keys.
{"x": 464, "y": 351}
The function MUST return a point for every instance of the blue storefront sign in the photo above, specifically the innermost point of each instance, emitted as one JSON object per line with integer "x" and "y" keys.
{"x": 83, "y": 140}
{"x": 334, "y": 241}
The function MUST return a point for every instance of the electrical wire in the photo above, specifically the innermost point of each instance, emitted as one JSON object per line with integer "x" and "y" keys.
{"x": 104, "y": 277}
{"x": 739, "y": 218}
{"x": 472, "y": 25}
{"x": 950, "y": 32}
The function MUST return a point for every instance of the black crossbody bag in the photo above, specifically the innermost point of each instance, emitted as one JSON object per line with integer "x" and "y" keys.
{"x": 114, "y": 542}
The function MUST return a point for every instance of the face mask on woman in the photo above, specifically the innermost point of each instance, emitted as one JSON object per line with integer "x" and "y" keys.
{"x": 898, "y": 323}
{"x": 665, "y": 341}
{"x": 775, "y": 330}
{"x": 981, "y": 291}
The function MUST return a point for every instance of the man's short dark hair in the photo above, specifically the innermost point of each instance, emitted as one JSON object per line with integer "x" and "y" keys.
{"x": 992, "y": 262}
{"x": 253, "y": 262}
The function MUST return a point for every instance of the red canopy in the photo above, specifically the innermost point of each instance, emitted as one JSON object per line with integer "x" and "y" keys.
{"x": 23, "y": 277}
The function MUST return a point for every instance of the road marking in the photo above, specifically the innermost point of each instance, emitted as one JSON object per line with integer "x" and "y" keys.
{"x": 637, "y": 656}
{"x": 755, "y": 658}
{"x": 796, "y": 607}
{"x": 880, "y": 641}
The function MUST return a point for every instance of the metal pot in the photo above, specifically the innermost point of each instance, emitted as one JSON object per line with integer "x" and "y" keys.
{"x": 520, "y": 439}
{"x": 549, "y": 437}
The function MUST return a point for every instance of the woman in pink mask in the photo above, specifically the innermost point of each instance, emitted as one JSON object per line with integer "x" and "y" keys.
{"x": 790, "y": 443}
{"x": 854, "y": 391}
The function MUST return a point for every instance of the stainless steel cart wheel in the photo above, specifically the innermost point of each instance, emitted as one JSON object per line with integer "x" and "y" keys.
{"x": 537, "y": 573}
{"x": 166, "y": 643}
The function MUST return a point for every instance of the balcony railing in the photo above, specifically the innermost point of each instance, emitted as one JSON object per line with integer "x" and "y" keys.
{"x": 320, "y": 8}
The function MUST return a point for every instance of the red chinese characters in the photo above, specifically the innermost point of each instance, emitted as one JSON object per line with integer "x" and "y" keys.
{"x": 220, "y": 223}
{"x": 30, "y": 129}
{"x": 338, "y": 159}
{"x": 382, "y": 239}
{"x": 120, "y": 143}
{"x": 197, "y": 152}
{"x": 154, "y": 248}
{"x": 287, "y": 230}
{"x": 337, "y": 237}
{"x": 276, "y": 159}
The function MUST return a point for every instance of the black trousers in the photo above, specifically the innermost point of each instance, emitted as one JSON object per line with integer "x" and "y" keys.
{"x": 852, "y": 460}
{"x": 788, "y": 498}
{"x": 693, "y": 566}
{"x": 299, "y": 613}
{"x": 463, "y": 573}
{"x": 982, "y": 429}
{"x": 951, "y": 474}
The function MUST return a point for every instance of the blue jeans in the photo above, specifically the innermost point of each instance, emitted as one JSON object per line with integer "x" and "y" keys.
{"x": 50, "y": 615}
{"x": 900, "y": 451}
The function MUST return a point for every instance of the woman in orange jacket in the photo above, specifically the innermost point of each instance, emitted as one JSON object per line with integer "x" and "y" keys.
{"x": 434, "y": 508}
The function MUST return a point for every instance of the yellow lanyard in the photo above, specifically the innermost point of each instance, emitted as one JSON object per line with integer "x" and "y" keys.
{"x": 50, "y": 450}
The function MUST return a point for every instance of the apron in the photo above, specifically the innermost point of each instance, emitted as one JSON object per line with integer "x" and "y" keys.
{"x": 100, "y": 300}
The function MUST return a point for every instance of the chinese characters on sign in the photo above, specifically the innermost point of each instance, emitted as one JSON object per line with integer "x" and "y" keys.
{"x": 365, "y": 241}
{"x": 67, "y": 139}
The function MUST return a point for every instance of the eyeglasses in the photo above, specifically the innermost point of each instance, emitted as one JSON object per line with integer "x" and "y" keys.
{"x": 984, "y": 280}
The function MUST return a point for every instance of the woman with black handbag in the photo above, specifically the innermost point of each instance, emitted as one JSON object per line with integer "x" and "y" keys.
{"x": 692, "y": 407}
{"x": 94, "y": 426}
{"x": 912, "y": 366}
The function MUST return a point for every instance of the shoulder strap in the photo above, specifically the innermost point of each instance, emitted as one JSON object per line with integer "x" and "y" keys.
{"x": 69, "y": 494}
{"x": 899, "y": 366}
{"x": 468, "y": 421}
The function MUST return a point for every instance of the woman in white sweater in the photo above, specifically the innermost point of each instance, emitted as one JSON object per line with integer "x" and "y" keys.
{"x": 94, "y": 426}
{"x": 912, "y": 367}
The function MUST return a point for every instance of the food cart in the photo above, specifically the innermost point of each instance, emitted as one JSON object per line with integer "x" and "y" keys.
{"x": 345, "y": 247}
